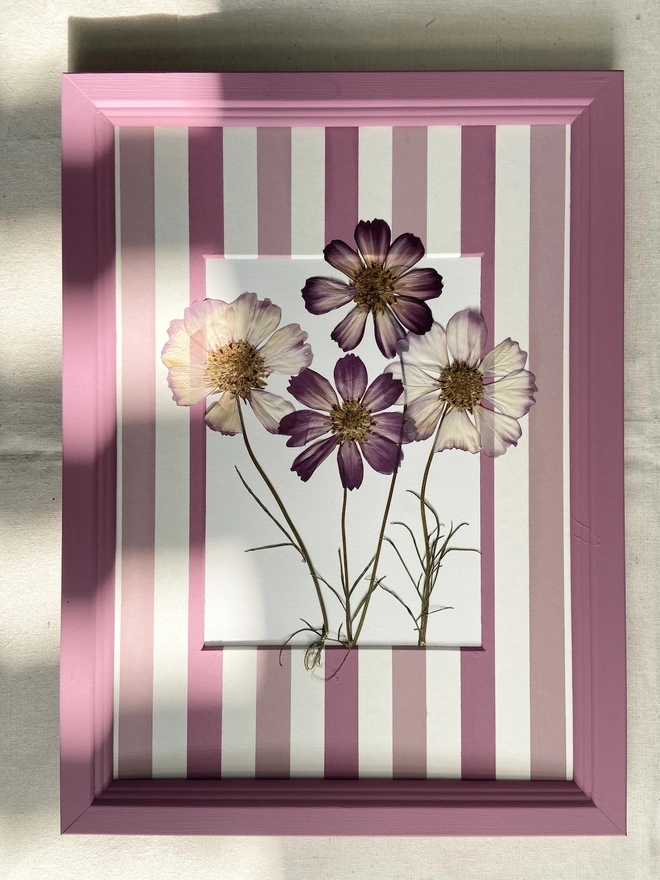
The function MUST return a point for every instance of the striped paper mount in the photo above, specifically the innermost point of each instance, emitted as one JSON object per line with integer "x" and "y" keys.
{"x": 502, "y": 711}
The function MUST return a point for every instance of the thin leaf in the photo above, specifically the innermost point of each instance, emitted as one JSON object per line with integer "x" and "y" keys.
{"x": 429, "y": 506}
{"x": 367, "y": 594}
{"x": 331, "y": 588}
{"x": 271, "y": 547}
{"x": 398, "y": 598}
{"x": 407, "y": 570}
{"x": 444, "y": 608}
{"x": 267, "y": 512}
{"x": 361, "y": 575}
{"x": 412, "y": 535}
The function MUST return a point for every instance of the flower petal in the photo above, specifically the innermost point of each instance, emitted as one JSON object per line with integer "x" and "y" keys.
{"x": 189, "y": 385}
{"x": 269, "y": 408}
{"x": 303, "y": 426}
{"x": 308, "y": 460}
{"x": 350, "y": 377}
{"x": 457, "y": 432}
{"x": 390, "y": 425}
{"x": 223, "y": 416}
{"x": 404, "y": 252}
{"x": 351, "y": 469}
{"x": 181, "y": 349}
{"x": 416, "y": 382}
{"x": 497, "y": 431}
{"x": 388, "y": 332}
{"x": 312, "y": 389}
{"x": 206, "y": 322}
{"x": 342, "y": 257}
{"x": 253, "y": 319}
{"x": 466, "y": 337}
{"x": 419, "y": 284}
{"x": 423, "y": 416}
{"x": 286, "y": 351}
{"x": 513, "y": 395}
{"x": 505, "y": 358}
{"x": 373, "y": 239}
{"x": 322, "y": 295}
{"x": 414, "y": 315}
{"x": 383, "y": 392}
{"x": 349, "y": 332}
{"x": 428, "y": 351}
{"x": 381, "y": 453}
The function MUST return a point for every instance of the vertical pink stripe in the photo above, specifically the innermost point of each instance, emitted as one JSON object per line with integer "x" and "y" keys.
{"x": 546, "y": 527}
{"x": 138, "y": 450}
{"x": 204, "y": 667}
{"x": 341, "y": 183}
{"x": 409, "y": 196}
{"x": 341, "y": 713}
{"x": 274, "y": 191}
{"x": 273, "y": 725}
{"x": 408, "y": 713}
{"x": 341, "y": 689}
{"x": 409, "y": 188}
{"x": 478, "y": 666}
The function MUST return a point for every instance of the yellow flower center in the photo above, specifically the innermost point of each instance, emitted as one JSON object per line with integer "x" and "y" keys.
{"x": 461, "y": 386}
{"x": 374, "y": 289}
{"x": 236, "y": 367}
{"x": 350, "y": 420}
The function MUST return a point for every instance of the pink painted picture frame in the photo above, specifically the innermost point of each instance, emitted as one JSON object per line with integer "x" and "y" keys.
{"x": 594, "y": 802}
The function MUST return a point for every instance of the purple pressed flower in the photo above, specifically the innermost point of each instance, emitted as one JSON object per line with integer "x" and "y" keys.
{"x": 382, "y": 282}
{"x": 356, "y": 424}
{"x": 446, "y": 373}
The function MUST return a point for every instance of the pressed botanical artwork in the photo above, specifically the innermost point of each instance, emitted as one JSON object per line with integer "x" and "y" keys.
{"x": 334, "y": 419}
{"x": 441, "y": 386}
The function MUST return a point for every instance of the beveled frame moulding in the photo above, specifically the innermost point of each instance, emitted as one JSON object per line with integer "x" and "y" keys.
{"x": 595, "y": 802}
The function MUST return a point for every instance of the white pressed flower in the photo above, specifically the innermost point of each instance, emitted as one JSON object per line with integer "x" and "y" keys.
{"x": 231, "y": 349}
{"x": 475, "y": 400}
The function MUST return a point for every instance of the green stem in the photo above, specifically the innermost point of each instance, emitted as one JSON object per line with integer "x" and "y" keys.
{"x": 346, "y": 584}
{"x": 374, "y": 571}
{"x": 294, "y": 530}
{"x": 428, "y": 560}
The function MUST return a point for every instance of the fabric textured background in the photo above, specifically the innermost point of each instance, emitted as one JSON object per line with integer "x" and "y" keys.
{"x": 38, "y": 42}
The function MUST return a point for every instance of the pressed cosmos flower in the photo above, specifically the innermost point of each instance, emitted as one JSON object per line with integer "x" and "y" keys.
{"x": 382, "y": 283}
{"x": 356, "y": 424}
{"x": 447, "y": 378}
{"x": 232, "y": 349}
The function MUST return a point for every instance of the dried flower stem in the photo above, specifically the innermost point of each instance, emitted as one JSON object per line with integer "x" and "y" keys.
{"x": 429, "y": 558}
{"x": 301, "y": 546}
{"x": 345, "y": 578}
{"x": 373, "y": 582}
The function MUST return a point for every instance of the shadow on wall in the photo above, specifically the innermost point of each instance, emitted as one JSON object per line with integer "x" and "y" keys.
{"x": 321, "y": 39}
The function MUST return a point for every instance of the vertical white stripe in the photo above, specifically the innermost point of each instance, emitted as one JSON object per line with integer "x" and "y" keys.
{"x": 375, "y": 712}
{"x": 375, "y": 173}
{"x": 239, "y": 711}
{"x": 443, "y": 235}
{"x": 443, "y": 713}
{"x": 568, "y": 646}
{"x": 172, "y": 462}
{"x": 307, "y": 718}
{"x": 307, "y": 192}
{"x": 512, "y": 674}
{"x": 240, "y": 192}
{"x": 118, "y": 313}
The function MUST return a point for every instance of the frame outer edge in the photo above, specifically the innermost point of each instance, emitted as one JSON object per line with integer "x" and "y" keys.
{"x": 606, "y": 461}
{"x": 88, "y": 474}
{"x": 89, "y": 454}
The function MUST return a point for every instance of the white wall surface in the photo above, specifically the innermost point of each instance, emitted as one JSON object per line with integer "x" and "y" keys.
{"x": 39, "y": 39}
